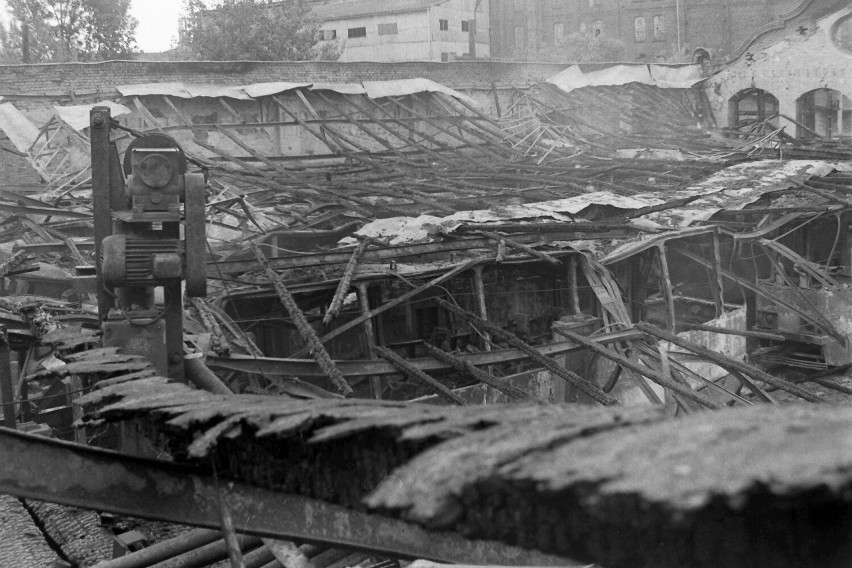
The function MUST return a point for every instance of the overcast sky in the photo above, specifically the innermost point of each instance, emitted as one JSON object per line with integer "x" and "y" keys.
{"x": 158, "y": 23}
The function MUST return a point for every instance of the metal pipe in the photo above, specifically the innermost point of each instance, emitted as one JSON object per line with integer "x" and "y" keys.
{"x": 164, "y": 550}
{"x": 259, "y": 558}
{"x": 209, "y": 554}
{"x": 7, "y": 388}
{"x": 201, "y": 376}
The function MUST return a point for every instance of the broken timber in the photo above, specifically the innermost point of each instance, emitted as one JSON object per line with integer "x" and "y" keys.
{"x": 620, "y": 487}
{"x": 175, "y": 493}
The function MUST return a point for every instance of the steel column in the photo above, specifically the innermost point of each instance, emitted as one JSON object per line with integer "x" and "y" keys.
{"x": 100, "y": 122}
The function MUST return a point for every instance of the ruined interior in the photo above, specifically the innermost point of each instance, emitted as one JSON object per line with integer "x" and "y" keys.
{"x": 359, "y": 259}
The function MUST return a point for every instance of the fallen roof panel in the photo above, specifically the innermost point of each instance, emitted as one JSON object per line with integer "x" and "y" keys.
{"x": 77, "y": 116}
{"x": 183, "y": 90}
{"x": 17, "y": 127}
{"x": 663, "y": 76}
{"x": 402, "y": 87}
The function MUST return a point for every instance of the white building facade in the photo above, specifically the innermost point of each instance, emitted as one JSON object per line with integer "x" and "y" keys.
{"x": 406, "y": 30}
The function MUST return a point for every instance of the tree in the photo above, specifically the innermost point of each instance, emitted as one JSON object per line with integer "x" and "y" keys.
{"x": 108, "y": 31}
{"x": 68, "y": 30}
{"x": 253, "y": 30}
{"x": 584, "y": 48}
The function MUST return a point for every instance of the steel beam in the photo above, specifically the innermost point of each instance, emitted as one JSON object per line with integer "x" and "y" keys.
{"x": 307, "y": 368}
{"x": 403, "y": 251}
{"x": 108, "y": 481}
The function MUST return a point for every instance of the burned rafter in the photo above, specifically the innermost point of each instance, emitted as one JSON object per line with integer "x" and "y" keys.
{"x": 569, "y": 376}
{"x": 728, "y": 363}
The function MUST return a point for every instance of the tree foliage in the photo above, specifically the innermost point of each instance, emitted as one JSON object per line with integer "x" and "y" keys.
{"x": 68, "y": 30}
{"x": 584, "y": 48}
{"x": 253, "y": 30}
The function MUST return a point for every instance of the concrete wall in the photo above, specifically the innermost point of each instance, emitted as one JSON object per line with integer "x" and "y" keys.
{"x": 418, "y": 37}
{"x": 807, "y": 59}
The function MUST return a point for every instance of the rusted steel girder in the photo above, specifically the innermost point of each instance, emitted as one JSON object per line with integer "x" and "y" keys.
{"x": 108, "y": 481}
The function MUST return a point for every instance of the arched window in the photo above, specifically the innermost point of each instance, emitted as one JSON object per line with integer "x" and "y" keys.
{"x": 824, "y": 112}
{"x": 841, "y": 33}
{"x": 752, "y": 112}
{"x": 700, "y": 56}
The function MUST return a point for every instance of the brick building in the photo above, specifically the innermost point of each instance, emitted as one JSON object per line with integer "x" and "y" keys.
{"x": 651, "y": 30}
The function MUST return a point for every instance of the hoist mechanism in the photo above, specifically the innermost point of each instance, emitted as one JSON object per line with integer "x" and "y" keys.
{"x": 149, "y": 236}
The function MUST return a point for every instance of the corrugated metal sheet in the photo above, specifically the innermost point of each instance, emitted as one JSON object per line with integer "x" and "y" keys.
{"x": 342, "y": 88}
{"x": 402, "y": 87}
{"x": 373, "y": 89}
{"x": 257, "y": 90}
{"x": 184, "y": 90}
{"x": 77, "y": 117}
{"x": 731, "y": 188}
{"x": 663, "y": 76}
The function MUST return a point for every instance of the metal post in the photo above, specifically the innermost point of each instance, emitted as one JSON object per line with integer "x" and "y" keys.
{"x": 370, "y": 336}
{"x": 99, "y": 122}
{"x": 572, "y": 285}
{"x": 719, "y": 294}
{"x": 668, "y": 293}
{"x": 7, "y": 389}
{"x": 479, "y": 286}
{"x": 679, "y": 44}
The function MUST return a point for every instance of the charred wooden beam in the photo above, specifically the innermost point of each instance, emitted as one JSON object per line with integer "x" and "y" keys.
{"x": 522, "y": 247}
{"x": 308, "y": 368}
{"x": 660, "y": 379}
{"x": 728, "y": 363}
{"x": 467, "y": 368}
{"x": 399, "y": 300}
{"x": 570, "y": 377}
{"x": 305, "y": 330}
{"x": 417, "y": 375}
{"x": 727, "y": 331}
{"x": 817, "y": 320}
{"x": 345, "y": 282}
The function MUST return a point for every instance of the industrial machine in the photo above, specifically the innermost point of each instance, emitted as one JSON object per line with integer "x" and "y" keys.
{"x": 150, "y": 236}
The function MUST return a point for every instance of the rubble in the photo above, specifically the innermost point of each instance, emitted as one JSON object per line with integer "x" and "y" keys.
{"x": 598, "y": 243}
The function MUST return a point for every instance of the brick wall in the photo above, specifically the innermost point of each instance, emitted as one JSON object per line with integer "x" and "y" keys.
{"x": 83, "y": 82}
{"x": 716, "y": 25}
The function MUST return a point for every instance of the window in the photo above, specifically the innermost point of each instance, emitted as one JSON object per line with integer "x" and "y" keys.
{"x": 639, "y": 29}
{"x": 520, "y": 37}
{"x": 465, "y": 25}
{"x": 357, "y": 32}
{"x": 444, "y": 25}
{"x": 328, "y": 35}
{"x": 388, "y": 29}
{"x": 659, "y": 27}
{"x": 841, "y": 33}
{"x": 445, "y": 56}
{"x": 558, "y": 33}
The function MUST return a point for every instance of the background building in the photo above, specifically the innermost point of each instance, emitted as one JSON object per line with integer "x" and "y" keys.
{"x": 651, "y": 30}
{"x": 406, "y": 30}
